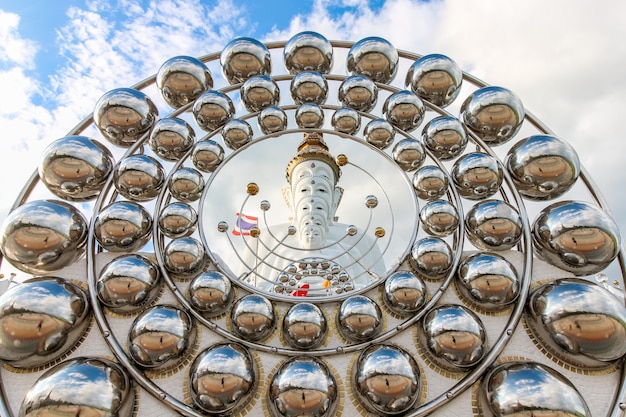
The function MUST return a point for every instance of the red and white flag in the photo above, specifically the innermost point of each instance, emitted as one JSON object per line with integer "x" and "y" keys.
{"x": 243, "y": 224}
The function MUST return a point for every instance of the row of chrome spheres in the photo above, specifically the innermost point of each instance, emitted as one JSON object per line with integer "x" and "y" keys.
{"x": 574, "y": 236}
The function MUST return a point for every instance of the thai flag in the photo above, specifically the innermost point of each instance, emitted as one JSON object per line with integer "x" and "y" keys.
{"x": 243, "y": 224}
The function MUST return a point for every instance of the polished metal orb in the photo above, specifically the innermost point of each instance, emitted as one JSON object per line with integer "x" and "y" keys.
{"x": 243, "y": 58}
{"x": 386, "y": 380}
{"x": 542, "y": 167}
{"x": 272, "y": 119}
{"x": 40, "y": 320}
{"x": 309, "y": 87}
{"x": 309, "y": 116}
{"x": 207, "y": 155}
{"x": 303, "y": 386}
{"x": 529, "y": 388}
{"x": 379, "y": 133}
{"x": 445, "y": 137}
{"x": 359, "y": 319}
{"x": 42, "y": 236}
{"x": 222, "y": 378}
{"x": 431, "y": 257}
{"x": 373, "y": 57}
{"x": 430, "y": 182}
{"x": 82, "y": 386}
{"x": 304, "y": 326}
{"x": 160, "y": 337}
{"x": 358, "y": 92}
{"x": 436, "y": 79}
{"x": 579, "y": 321}
{"x": 404, "y": 293}
{"x": 259, "y": 92}
{"x": 489, "y": 280}
{"x": 252, "y": 317}
{"x": 128, "y": 283}
{"x": 409, "y": 154}
{"x": 171, "y": 138}
{"x": 75, "y": 168}
{"x": 576, "y": 236}
{"x": 177, "y": 220}
{"x": 404, "y": 110}
{"x": 493, "y": 225}
{"x": 453, "y": 337}
{"x": 308, "y": 51}
{"x": 123, "y": 226}
{"x": 186, "y": 184}
{"x": 237, "y": 133}
{"x": 439, "y": 218}
{"x": 212, "y": 110}
{"x": 184, "y": 257}
{"x": 139, "y": 177}
{"x": 210, "y": 293}
{"x": 346, "y": 120}
{"x": 124, "y": 115}
{"x": 477, "y": 176}
{"x": 494, "y": 114}
{"x": 182, "y": 79}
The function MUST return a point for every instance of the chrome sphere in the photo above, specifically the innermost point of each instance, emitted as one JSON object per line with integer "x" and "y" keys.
{"x": 542, "y": 167}
{"x": 309, "y": 116}
{"x": 386, "y": 380}
{"x": 436, "y": 79}
{"x": 359, "y": 319}
{"x": 212, "y": 110}
{"x": 308, "y": 51}
{"x": 404, "y": 293}
{"x": 259, "y": 92}
{"x": 511, "y": 387}
{"x": 404, "y": 110}
{"x": 210, "y": 293}
{"x": 445, "y": 137}
{"x": 253, "y": 318}
{"x": 409, "y": 154}
{"x": 207, "y": 155}
{"x": 237, "y": 133}
{"x": 139, "y": 177}
{"x": 171, "y": 138}
{"x": 304, "y": 326}
{"x": 128, "y": 283}
{"x": 453, "y": 337}
{"x": 75, "y": 168}
{"x": 431, "y": 257}
{"x": 309, "y": 87}
{"x": 243, "y": 58}
{"x": 123, "y": 226}
{"x": 222, "y": 378}
{"x": 186, "y": 184}
{"x": 272, "y": 119}
{"x": 160, "y": 337}
{"x": 576, "y": 236}
{"x": 40, "y": 320}
{"x": 439, "y": 218}
{"x": 380, "y": 133}
{"x": 303, "y": 386}
{"x": 124, "y": 115}
{"x": 579, "y": 321}
{"x": 493, "y": 225}
{"x": 184, "y": 258}
{"x": 177, "y": 220}
{"x": 33, "y": 243}
{"x": 494, "y": 114}
{"x": 489, "y": 280}
{"x": 82, "y": 385}
{"x": 346, "y": 120}
{"x": 182, "y": 79}
{"x": 358, "y": 92}
{"x": 477, "y": 176}
{"x": 375, "y": 58}
{"x": 430, "y": 182}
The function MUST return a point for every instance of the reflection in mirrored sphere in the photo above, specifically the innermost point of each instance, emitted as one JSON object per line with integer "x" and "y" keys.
{"x": 439, "y": 218}
{"x": 177, "y": 220}
{"x": 40, "y": 320}
{"x": 380, "y": 133}
{"x": 493, "y": 225}
{"x": 542, "y": 167}
{"x": 171, "y": 138}
{"x": 43, "y": 236}
{"x": 576, "y": 236}
{"x": 304, "y": 326}
{"x": 404, "y": 110}
{"x": 237, "y": 133}
{"x": 222, "y": 378}
{"x": 75, "y": 168}
{"x": 259, "y": 92}
{"x": 309, "y": 116}
{"x": 123, "y": 226}
{"x": 477, "y": 176}
{"x": 386, "y": 380}
{"x": 252, "y": 317}
{"x": 272, "y": 119}
{"x": 359, "y": 319}
{"x": 212, "y": 110}
{"x": 211, "y": 293}
{"x": 139, "y": 177}
{"x": 358, "y": 92}
{"x": 581, "y": 322}
{"x": 186, "y": 184}
{"x": 207, "y": 155}
{"x": 184, "y": 257}
{"x": 445, "y": 137}
{"x": 182, "y": 79}
{"x": 68, "y": 389}
{"x": 308, "y": 51}
{"x": 309, "y": 87}
{"x": 430, "y": 182}
{"x": 404, "y": 293}
{"x": 128, "y": 283}
{"x": 373, "y": 57}
{"x": 431, "y": 257}
{"x": 436, "y": 79}
{"x": 124, "y": 115}
{"x": 409, "y": 154}
{"x": 243, "y": 58}
{"x": 346, "y": 120}
{"x": 488, "y": 280}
